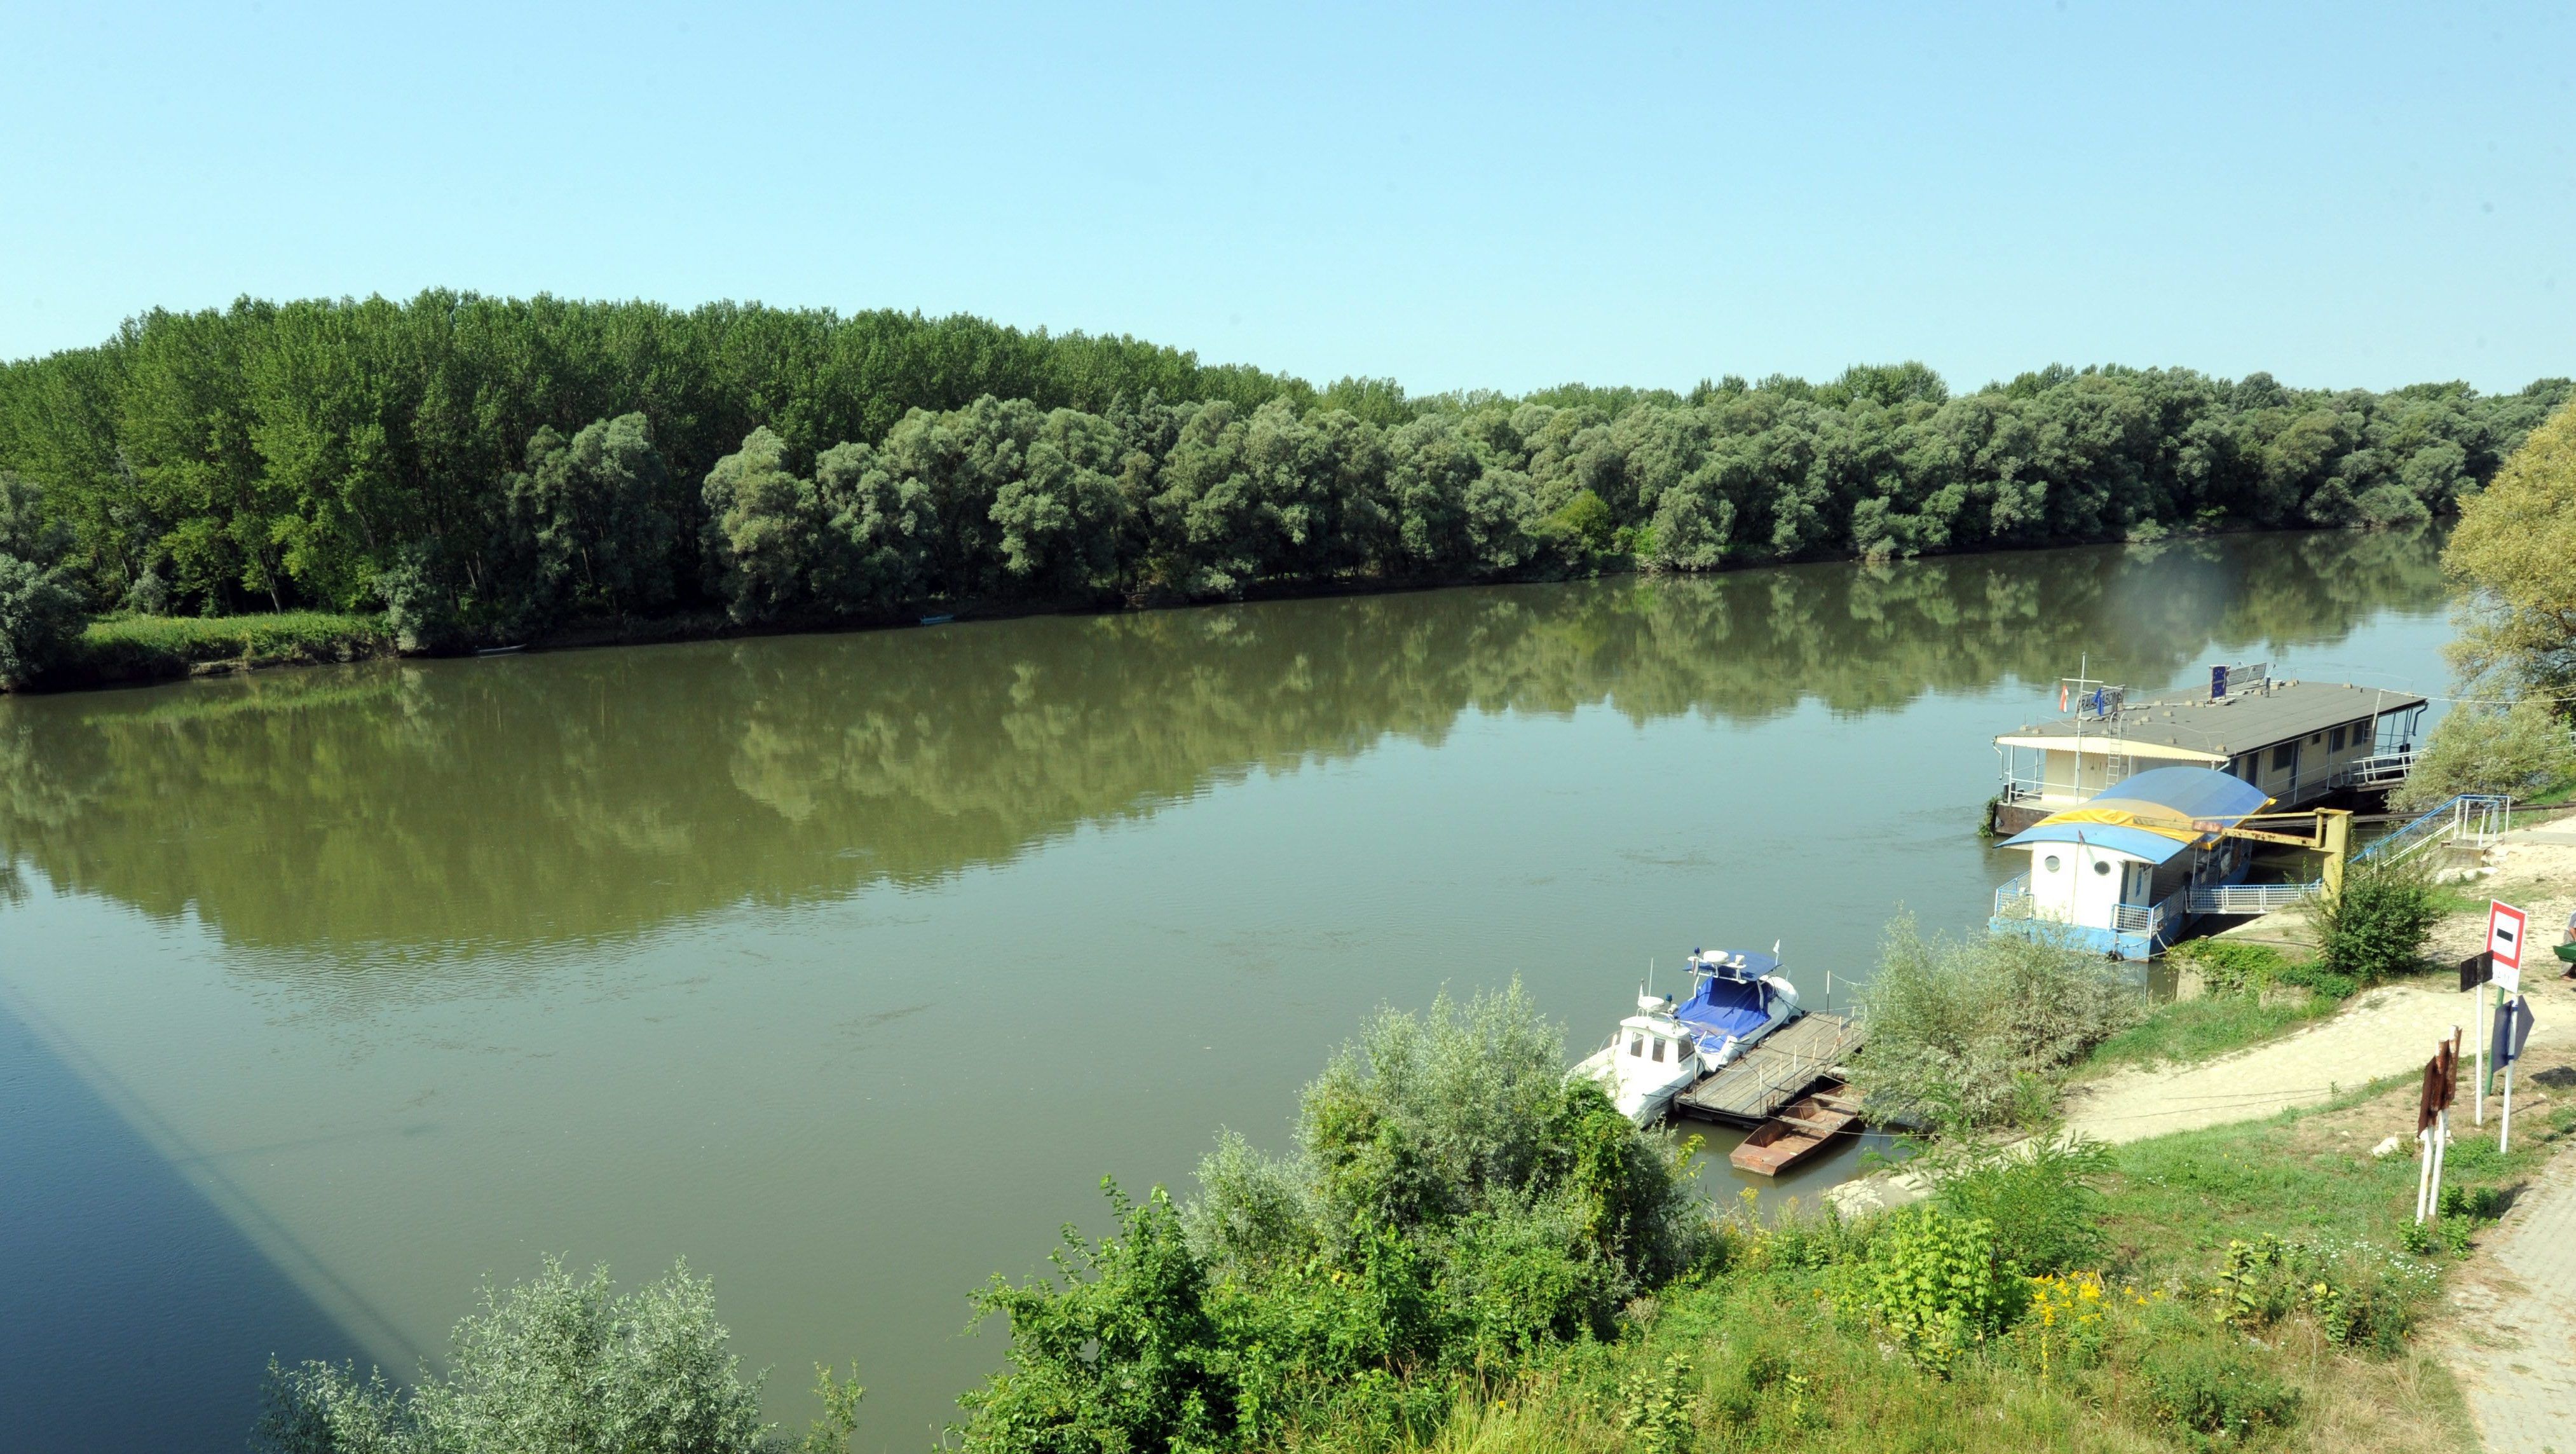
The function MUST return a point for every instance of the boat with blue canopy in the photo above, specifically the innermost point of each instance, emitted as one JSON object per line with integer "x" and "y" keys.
{"x": 1738, "y": 996}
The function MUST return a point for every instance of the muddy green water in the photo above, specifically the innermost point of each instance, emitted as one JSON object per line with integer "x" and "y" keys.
{"x": 847, "y": 965}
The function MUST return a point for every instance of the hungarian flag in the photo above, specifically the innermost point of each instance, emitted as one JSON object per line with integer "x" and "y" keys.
{"x": 2061, "y": 696}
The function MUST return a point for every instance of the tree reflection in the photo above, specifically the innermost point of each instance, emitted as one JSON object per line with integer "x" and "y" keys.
{"x": 434, "y": 811}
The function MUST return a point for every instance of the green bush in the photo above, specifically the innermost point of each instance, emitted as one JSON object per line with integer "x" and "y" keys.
{"x": 1654, "y": 1407}
{"x": 1933, "y": 1283}
{"x": 2210, "y": 1391}
{"x": 2042, "y": 1199}
{"x": 1973, "y": 1032}
{"x": 2231, "y": 967}
{"x": 556, "y": 1365}
{"x": 2375, "y": 927}
{"x": 1455, "y": 1204}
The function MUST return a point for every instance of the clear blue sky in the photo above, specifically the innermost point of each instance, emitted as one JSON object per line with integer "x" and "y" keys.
{"x": 1474, "y": 196}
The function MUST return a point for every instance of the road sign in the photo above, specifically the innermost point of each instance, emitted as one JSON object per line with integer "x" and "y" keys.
{"x": 2504, "y": 943}
{"x": 2512, "y": 1031}
{"x": 2475, "y": 970}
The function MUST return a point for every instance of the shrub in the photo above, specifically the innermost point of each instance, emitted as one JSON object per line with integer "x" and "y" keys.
{"x": 2358, "y": 1295}
{"x": 2211, "y": 1391}
{"x": 2230, "y": 967}
{"x": 2041, "y": 1200}
{"x": 1454, "y": 1205}
{"x": 1932, "y": 1283}
{"x": 2375, "y": 926}
{"x": 1654, "y": 1408}
{"x": 1972, "y": 1031}
{"x": 1125, "y": 1354}
{"x": 556, "y": 1365}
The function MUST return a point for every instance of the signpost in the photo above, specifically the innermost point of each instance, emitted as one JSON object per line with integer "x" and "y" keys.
{"x": 2512, "y": 1032}
{"x": 2504, "y": 943}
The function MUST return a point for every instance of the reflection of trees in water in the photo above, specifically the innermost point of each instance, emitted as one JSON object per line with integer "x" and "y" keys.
{"x": 429, "y": 809}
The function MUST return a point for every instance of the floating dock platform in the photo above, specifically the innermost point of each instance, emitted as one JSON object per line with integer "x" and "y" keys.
{"x": 1784, "y": 1065}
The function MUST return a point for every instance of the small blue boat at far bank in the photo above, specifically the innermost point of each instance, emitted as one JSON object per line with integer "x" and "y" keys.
{"x": 1740, "y": 996}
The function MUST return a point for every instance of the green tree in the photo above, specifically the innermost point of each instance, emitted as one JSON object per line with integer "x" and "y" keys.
{"x": 41, "y": 609}
{"x": 766, "y": 541}
{"x": 2515, "y": 552}
{"x": 591, "y": 518}
{"x": 2516, "y": 751}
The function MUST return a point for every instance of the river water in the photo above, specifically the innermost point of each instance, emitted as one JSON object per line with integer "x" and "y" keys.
{"x": 846, "y": 966}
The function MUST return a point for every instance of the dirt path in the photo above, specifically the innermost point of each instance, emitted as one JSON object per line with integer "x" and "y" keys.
{"x": 2388, "y": 1031}
{"x": 2384, "y": 1032}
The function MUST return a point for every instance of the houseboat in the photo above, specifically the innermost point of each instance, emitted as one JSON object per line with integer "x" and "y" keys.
{"x": 2115, "y": 872}
{"x": 2295, "y": 741}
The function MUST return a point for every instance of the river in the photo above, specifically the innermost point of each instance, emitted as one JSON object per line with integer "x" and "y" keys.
{"x": 847, "y": 965}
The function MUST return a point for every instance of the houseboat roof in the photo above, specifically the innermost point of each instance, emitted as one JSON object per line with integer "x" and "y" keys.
{"x": 2197, "y": 727}
{"x": 2152, "y": 815}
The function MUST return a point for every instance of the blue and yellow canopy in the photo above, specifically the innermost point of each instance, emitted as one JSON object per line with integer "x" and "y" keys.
{"x": 2153, "y": 815}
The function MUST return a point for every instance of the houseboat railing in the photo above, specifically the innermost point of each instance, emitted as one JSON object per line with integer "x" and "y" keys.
{"x": 2379, "y": 770}
{"x": 2475, "y": 819}
{"x": 2012, "y": 901}
{"x": 2247, "y": 898}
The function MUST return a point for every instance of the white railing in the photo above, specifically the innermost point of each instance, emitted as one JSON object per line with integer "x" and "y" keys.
{"x": 2476, "y": 819}
{"x": 2247, "y": 898}
{"x": 2380, "y": 770}
{"x": 2012, "y": 901}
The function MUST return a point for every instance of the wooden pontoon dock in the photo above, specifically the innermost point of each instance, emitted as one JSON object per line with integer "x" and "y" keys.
{"x": 1784, "y": 1065}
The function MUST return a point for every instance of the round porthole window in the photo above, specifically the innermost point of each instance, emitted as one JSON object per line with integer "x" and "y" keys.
{"x": 2100, "y": 867}
{"x": 2049, "y": 863}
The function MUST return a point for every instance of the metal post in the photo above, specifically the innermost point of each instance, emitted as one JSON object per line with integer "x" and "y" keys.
{"x": 2504, "y": 1126}
{"x": 2423, "y": 1171}
{"x": 2484, "y": 1030}
{"x": 2441, "y": 1146}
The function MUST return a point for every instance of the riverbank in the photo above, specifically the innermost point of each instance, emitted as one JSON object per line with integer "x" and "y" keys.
{"x": 2252, "y": 1286}
{"x": 126, "y": 648}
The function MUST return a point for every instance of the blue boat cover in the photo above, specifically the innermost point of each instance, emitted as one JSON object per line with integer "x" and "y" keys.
{"x": 1723, "y": 1007}
{"x": 2152, "y": 815}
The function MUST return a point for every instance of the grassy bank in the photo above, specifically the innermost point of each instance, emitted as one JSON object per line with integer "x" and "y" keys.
{"x": 131, "y": 648}
{"x": 2197, "y": 1029}
{"x": 2253, "y": 1288}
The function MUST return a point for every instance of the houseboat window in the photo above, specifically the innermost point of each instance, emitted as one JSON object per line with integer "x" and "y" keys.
{"x": 2334, "y": 740}
{"x": 2284, "y": 755}
{"x": 2100, "y": 866}
{"x": 1658, "y": 1056}
{"x": 2049, "y": 863}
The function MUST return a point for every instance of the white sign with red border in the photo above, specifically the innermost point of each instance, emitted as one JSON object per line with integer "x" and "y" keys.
{"x": 2504, "y": 942}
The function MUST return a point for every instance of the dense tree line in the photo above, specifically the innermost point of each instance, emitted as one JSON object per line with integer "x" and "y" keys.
{"x": 490, "y": 468}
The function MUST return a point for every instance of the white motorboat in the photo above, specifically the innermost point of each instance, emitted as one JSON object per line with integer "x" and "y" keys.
{"x": 1652, "y": 1058}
